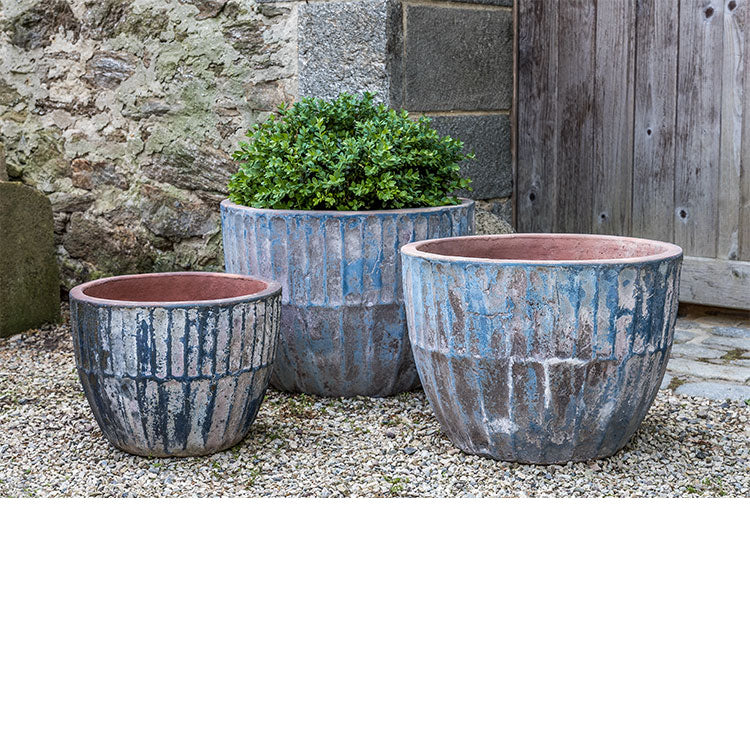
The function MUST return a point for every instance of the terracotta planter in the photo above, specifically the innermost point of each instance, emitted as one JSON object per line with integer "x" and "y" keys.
{"x": 541, "y": 348}
{"x": 343, "y": 327}
{"x": 175, "y": 364}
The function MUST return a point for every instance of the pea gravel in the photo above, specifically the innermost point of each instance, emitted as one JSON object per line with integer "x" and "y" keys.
{"x": 299, "y": 445}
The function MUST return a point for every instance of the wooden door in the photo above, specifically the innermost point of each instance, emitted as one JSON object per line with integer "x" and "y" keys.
{"x": 632, "y": 119}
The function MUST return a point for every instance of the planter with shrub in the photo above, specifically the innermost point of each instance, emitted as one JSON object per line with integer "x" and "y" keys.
{"x": 326, "y": 194}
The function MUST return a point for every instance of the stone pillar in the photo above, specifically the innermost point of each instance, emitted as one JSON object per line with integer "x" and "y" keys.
{"x": 452, "y": 62}
{"x": 352, "y": 46}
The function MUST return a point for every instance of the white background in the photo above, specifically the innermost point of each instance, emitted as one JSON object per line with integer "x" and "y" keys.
{"x": 359, "y": 625}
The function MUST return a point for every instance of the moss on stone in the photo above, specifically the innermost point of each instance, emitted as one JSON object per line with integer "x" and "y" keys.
{"x": 733, "y": 354}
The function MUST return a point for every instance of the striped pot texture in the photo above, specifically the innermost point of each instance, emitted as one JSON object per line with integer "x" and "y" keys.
{"x": 343, "y": 329}
{"x": 175, "y": 364}
{"x": 541, "y": 348}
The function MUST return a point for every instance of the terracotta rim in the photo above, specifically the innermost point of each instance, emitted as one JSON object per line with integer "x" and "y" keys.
{"x": 84, "y": 292}
{"x": 667, "y": 250}
{"x": 465, "y": 203}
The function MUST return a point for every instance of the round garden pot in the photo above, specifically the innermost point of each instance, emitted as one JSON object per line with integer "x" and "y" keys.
{"x": 541, "y": 348}
{"x": 343, "y": 329}
{"x": 175, "y": 364}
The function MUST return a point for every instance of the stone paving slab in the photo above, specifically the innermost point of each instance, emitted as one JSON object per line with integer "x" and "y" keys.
{"x": 715, "y": 390}
{"x": 711, "y": 355}
{"x": 696, "y": 351}
{"x": 727, "y": 343}
{"x": 683, "y": 336}
{"x": 708, "y": 371}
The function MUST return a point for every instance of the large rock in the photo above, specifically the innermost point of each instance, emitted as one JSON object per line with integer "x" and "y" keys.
{"x": 29, "y": 278}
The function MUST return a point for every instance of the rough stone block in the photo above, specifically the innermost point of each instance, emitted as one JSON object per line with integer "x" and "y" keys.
{"x": 176, "y": 215}
{"x": 192, "y": 166}
{"x": 458, "y": 59}
{"x": 502, "y": 207}
{"x": 37, "y": 25}
{"x": 29, "y": 278}
{"x": 488, "y": 136}
{"x": 485, "y": 222}
{"x": 108, "y": 70}
{"x": 350, "y": 46}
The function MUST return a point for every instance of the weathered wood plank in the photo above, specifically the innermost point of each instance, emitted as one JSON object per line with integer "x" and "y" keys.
{"x": 536, "y": 102}
{"x": 576, "y": 54}
{"x": 743, "y": 244}
{"x": 613, "y": 117}
{"x": 656, "y": 86}
{"x": 732, "y": 101}
{"x": 653, "y": 129}
{"x": 719, "y": 283}
{"x": 697, "y": 140}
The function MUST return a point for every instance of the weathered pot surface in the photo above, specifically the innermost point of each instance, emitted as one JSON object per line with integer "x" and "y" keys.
{"x": 343, "y": 327}
{"x": 175, "y": 364}
{"x": 541, "y": 348}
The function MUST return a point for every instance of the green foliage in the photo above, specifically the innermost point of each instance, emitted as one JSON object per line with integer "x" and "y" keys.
{"x": 349, "y": 154}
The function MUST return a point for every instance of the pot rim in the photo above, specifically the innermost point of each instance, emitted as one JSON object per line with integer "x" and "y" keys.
{"x": 669, "y": 250}
{"x": 79, "y": 293}
{"x": 464, "y": 203}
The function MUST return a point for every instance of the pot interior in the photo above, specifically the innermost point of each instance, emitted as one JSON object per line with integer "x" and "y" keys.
{"x": 174, "y": 287}
{"x": 547, "y": 247}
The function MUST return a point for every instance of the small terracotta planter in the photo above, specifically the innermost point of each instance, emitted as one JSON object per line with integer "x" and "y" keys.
{"x": 344, "y": 324}
{"x": 175, "y": 364}
{"x": 541, "y": 348}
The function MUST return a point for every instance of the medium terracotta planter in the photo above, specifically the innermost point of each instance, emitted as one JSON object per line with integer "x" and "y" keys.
{"x": 541, "y": 348}
{"x": 175, "y": 364}
{"x": 343, "y": 329}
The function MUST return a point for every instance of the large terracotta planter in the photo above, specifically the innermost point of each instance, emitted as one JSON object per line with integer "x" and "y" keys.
{"x": 343, "y": 329}
{"x": 175, "y": 364}
{"x": 541, "y": 348}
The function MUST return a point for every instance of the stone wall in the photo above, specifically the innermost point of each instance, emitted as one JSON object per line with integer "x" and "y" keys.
{"x": 125, "y": 112}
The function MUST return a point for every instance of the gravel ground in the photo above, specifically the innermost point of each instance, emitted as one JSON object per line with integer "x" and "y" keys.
{"x": 299, "y": 445}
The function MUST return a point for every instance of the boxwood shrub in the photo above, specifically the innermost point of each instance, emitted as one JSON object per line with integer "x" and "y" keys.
{"x": 347, "y": 154}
